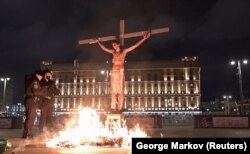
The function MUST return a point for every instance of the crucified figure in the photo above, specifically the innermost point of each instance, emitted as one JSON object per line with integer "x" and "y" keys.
{"x": 117, "y": 76}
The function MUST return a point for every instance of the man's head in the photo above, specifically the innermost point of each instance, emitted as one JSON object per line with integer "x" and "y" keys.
{"x": 116, "y": 45}
{"x": 47, "y": 74}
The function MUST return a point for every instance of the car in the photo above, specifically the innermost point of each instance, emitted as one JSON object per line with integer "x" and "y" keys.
{"x": 4, "y": 114}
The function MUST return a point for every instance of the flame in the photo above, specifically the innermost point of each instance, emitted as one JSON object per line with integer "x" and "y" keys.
{"x": 88, "y": 129}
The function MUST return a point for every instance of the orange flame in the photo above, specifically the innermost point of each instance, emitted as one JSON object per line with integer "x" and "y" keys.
{"x": 88, "y": 129}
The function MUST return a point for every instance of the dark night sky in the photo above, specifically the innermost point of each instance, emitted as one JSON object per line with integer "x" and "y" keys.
{"x": 216, "y": 31}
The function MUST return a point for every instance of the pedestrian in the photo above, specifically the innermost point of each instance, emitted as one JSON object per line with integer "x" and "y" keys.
{"x": 47, "y": 104}
{"x": 32, "y": 97}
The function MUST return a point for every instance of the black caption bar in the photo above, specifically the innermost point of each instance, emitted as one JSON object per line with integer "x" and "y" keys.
{"x": 163, "y": 145}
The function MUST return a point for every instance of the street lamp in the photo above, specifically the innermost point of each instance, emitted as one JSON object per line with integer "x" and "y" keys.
{"x": 7, "y": 108}
{"x": 4, "y": 80}
{"x": 227, "y": 97}
{"x": 240, "y": 80}
{"x": 227, "y": 105}
{"x": 106, "y": 75}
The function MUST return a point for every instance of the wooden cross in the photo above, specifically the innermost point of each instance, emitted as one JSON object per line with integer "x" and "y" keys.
{"x": 122, "y": 35}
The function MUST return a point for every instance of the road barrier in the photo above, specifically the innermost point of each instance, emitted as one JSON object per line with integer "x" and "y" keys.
{"x": 11, "y": 122}
{"x": 221, "y": 121}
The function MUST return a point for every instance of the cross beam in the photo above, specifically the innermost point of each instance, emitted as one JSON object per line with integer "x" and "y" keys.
{"x": 123, "y": 35}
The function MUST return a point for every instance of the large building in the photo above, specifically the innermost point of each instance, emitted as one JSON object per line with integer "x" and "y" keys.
{"x": 171, "y": 86}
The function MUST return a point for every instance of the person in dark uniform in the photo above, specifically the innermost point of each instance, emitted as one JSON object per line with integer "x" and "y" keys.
{"x": 33, "y": 96}
{"x": 47, "y": 105}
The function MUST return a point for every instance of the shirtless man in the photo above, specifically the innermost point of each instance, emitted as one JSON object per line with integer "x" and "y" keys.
{"x": 117, "y": 73}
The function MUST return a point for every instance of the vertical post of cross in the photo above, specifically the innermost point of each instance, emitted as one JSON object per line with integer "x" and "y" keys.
{"x": 122, "y": 31}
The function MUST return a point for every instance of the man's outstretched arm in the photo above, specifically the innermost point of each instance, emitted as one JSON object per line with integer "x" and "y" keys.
{"x": 104, "y": 48}
{"x": 145, "y": 36}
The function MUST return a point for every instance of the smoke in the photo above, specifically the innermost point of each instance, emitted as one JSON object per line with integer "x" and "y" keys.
{"x": 227, "y": 20}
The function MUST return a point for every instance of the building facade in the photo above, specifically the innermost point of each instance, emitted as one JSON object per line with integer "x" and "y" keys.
{"x": 171, "y": 86}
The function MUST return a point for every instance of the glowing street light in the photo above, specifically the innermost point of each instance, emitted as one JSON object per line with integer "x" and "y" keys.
{"x": 4, "y": 79}
{"x": 240, "y": 80}
{"x": 227, "y": 97}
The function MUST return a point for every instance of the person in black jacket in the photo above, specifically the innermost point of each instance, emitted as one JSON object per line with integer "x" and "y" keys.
{"x": 33, "y": 96}
{"x": 47, "y": 105}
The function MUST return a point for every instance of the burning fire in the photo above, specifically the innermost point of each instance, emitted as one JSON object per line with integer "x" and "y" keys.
{"x": 88, "y": 129}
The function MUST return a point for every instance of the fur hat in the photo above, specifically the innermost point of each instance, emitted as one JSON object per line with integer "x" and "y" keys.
{"x": 47, "y": 71}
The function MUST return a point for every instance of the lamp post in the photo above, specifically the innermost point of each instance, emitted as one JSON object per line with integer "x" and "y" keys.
{"x": 227, "y": 105}
{"x": 106, "y": 75}
{"x": 7, "y": 108}
{"x": 4, "y": 80}
{"x": 240, "y": 80}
